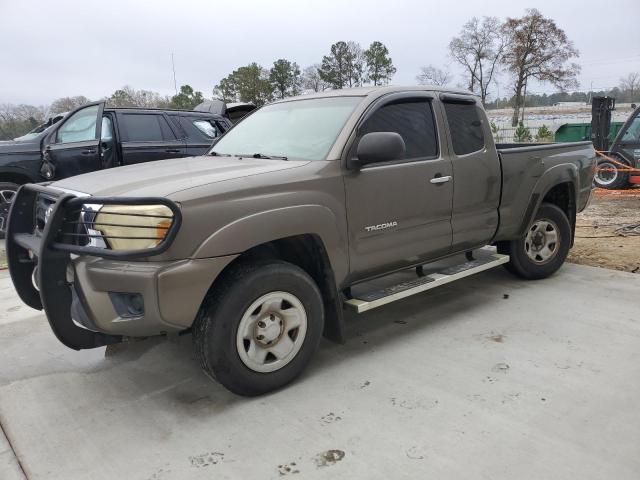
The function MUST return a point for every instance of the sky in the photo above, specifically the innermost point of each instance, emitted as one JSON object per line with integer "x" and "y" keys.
{"x": 50, "y": 49}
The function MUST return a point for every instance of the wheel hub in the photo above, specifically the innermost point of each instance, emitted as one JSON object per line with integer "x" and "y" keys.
{"x": 271, "y": 331}
{"x": 268, "y": 329}
{"x": 541, "y": 243}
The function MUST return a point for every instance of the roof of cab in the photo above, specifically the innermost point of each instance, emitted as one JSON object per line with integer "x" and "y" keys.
{"x": 377, "y": 91}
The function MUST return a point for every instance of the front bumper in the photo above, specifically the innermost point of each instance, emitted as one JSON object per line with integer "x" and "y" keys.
{"x": 77, "y": 285}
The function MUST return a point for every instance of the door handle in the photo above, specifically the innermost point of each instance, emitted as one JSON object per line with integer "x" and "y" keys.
{"x": 441, "y": 180}
{"x": 172, "y": 150}
{"x": 88, "y": 151}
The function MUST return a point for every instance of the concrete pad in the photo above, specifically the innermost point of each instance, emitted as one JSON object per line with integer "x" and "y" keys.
{"x": 459, "y": 382}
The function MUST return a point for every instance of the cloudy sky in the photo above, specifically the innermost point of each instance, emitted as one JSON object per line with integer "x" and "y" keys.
{"x": 50, "y": 49}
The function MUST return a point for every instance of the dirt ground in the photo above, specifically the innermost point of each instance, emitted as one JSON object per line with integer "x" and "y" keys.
{"x": 597, "y": 243}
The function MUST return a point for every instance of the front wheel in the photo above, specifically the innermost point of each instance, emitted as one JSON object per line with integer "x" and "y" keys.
{"x": 543, "y": 250}
{"x": 260, "y": 326}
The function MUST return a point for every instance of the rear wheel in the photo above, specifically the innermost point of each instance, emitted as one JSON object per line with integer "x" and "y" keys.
{"x": 543, "y": 250}
{"x": 260, "y": 327}
{"x": 7, "y": 192}
{"x": 608, "y": 175}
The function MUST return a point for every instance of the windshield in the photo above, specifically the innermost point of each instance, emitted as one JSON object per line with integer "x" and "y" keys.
{"x": 301, "y": 129}
{"x": 35, "y": 133}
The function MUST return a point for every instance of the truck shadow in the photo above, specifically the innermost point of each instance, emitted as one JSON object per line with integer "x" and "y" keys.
{"x": 165, "y": 374}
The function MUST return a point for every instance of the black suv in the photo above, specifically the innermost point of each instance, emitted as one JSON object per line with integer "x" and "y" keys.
{"x": 93, "y": 137}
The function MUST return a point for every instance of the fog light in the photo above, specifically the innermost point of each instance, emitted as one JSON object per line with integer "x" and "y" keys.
{"x": 127, "y": 305}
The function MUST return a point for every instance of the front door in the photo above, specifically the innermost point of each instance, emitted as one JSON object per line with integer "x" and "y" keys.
{"x": 74, "y": 147}
{"x": 399, "y": 212}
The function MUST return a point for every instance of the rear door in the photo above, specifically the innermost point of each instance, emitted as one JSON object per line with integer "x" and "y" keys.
{"x": 200, "y": 132}
{"x": 476, "y": 172}
{"x": 74, "y": 146}
{"x": 399, "y": 212}
{"x": 148, "y": 136}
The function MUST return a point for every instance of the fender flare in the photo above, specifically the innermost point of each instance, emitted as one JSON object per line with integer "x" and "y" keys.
{"x": 269, "y": 225}
{"x": 554, "y": 176}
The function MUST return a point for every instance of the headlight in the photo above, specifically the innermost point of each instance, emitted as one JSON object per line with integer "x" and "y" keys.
{"x": 133, "y": 227}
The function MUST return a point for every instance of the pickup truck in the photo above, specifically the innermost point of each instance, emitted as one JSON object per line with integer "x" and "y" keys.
{"x": 310, "y": 207}
{"x": 93, "y": 137}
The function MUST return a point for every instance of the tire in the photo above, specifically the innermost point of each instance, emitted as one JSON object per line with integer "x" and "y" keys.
{"x": 251, "y": 310}
{"x": 537, "y": 255}
{"x": 609, "y": 176}
{"x": 7, "y": 191}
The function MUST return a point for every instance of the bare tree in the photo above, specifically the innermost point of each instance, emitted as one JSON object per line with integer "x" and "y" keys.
{"x": 631, "y": 84}
{"x": 478, "y": 48}
{"x": 431, "y": 75}
{"x": 537, "y": 48}
{"x": 311, "y": 79}
{"x": 66, "y": 104}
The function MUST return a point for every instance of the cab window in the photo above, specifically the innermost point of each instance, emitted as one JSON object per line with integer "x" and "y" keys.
{"x": 633, "y": 132}
{"x": 412, "y": 120}
{"x": 80, "y": 127}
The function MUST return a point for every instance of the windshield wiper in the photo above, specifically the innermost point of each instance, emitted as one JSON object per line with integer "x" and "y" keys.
{"x": 216, "y": 154}
{"x": 268, "y": 157}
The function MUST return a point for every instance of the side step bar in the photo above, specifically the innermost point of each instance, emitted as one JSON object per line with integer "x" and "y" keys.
{"x": 377, "y": 298}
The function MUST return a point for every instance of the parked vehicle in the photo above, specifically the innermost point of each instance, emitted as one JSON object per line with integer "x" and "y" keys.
{"x": 309, "y": 205}
{"x": 619, "y": 167}
{"x": 79, "y": 143}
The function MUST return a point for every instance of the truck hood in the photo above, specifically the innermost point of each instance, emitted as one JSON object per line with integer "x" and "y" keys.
{"x": 11, "y": 146}
{"x": 164, "y": 177}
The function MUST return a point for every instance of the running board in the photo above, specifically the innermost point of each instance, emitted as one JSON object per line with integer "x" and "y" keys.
{"x": 377, "y": 298}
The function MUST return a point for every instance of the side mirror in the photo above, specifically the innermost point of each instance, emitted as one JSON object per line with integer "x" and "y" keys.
{"x": 376, "y": 147}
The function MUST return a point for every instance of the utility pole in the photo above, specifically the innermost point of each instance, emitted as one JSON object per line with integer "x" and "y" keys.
{"x": 173, "y": 66}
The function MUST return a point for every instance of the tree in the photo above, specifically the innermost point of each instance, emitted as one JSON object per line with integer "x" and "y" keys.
{"x": 344, "y": 66}
{"x": 478, "y": 48}
{"x": 431, "y": 75}
{"x": 16, "y": 120}
{"x": 247, "y": 84}
{"x": 379, "y": 65}
{"x": 311, "y": 79}
{"x": 66, "y": 104}
{"x": 285, "y": 78}
{"x": 630, "y": 84}
{"x": 522, "y": 134}
{"x": 537, "y": 48}
{"x": 187, "y": 99}
{"x": 130, "y": 97}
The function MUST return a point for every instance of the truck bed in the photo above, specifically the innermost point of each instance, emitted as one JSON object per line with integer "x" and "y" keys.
{"x": 527, "y": 168}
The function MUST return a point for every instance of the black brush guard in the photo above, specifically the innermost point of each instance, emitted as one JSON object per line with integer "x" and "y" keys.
{"x": 50, "y": 251}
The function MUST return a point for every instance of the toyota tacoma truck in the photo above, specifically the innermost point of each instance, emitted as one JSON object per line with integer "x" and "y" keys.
{"x": 310, "y": 207}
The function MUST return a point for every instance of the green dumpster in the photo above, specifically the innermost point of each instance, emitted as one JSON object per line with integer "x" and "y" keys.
{"x": 578, "y": 132}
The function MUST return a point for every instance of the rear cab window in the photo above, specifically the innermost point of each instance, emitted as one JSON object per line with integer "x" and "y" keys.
{"x": 465, "y": 125}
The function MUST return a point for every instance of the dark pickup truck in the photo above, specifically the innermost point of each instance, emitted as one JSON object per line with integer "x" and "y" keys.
{"x": 80, "y": 143}
{"x": 349, "y": 199}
